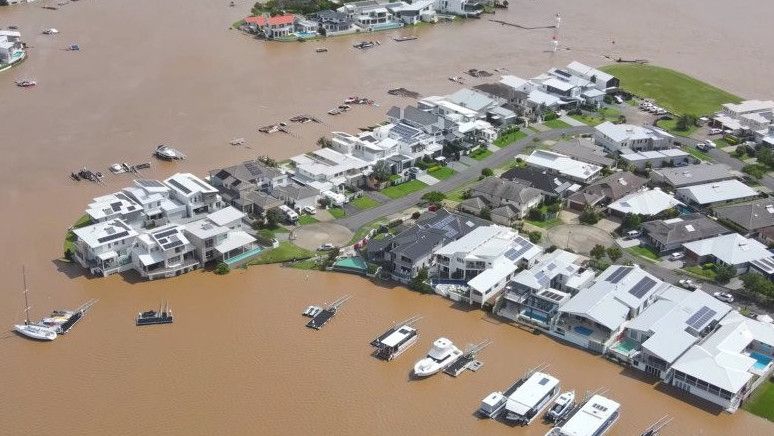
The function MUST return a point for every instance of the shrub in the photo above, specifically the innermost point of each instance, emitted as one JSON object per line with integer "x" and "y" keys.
{"x": 608, "y": 99}
{"x": 487, "y": 172}
{"x": 486, "y": 213}
{"x": 434, "y": 197}
{"x": 535, "y": 237}
{"x": 550, "y": 115}
{"x": 756, "y": 170}
{"x": 724, "y": 273}
{"x": 614, "y": 253}
{"x": 589, "y": 216}
{"x": 222, "y": 269}
{"x": 395, "y": 223}
{"x": 598, "y": 251}
{"x": 416, "y": 215}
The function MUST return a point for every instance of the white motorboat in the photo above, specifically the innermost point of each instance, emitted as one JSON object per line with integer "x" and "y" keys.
{"x": 594, "y": 418}
{"x": 28, "y": 329}
{"x": 168, "y": 153}
{"x": 50, "y": 31}
{"x": 561, "y": 407}
{"x": 442, "y": 354}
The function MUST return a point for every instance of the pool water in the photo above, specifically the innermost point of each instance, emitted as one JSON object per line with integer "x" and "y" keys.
{"x": 585, "y": 331}
{"x": 352, "y": 262}
{"x": 762, "y": 361}
{"x": 240, "y": 257}
{"x": 537, "y": 316}
{"x": 626, "y": 345}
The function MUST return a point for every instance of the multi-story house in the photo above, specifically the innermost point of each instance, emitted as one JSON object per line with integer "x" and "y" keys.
{"x": 105, "y": 248}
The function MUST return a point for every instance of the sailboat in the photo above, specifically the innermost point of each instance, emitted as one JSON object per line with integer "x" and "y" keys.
{"x": 31, "y": 330}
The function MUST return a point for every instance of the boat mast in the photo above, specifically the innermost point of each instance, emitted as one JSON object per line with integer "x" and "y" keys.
{"x": 26, "y": 302}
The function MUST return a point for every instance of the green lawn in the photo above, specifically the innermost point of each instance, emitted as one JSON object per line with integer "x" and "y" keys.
{"x": 306, "y": 264}
{"x": 361, "y": 232}
{"x": 556, "y": 124}
{"x": 671, "y": 127}
{"x": 643, "y": 252}
{"x": 509, "y": 138}
{"x": 761, "y": 402}
{"x": 403, "y": 189}
{"x": 307, "y": 219}
{"x": 545, "y": 224}
{"x": 480, "y": 154}
{"x": 589, "y": 119}
{"x": 604, "y": 114}
{"x": 69, "y": 242}
{"x": 364, "y": 202}
{"x": 456, "y": 194}
{"x": 286, "y": 251}
{"x": 698, "y": 154}
{"x": 673, "y": 90}
{"x": 441, "y": 173}
{"x": 337, "y": 212}
{"x": 698, "y": 270}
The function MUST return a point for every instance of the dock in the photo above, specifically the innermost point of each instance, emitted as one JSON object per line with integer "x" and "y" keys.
{"x": 656, "y": 427}
{"x": 468, "y": 359}
{"x": 64, "y": 320}
{"x": 329, "y": 311}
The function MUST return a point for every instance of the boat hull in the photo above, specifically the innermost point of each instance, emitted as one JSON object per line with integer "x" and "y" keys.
{"x": 35, "y": 332}
{"x": 427, "y": 367}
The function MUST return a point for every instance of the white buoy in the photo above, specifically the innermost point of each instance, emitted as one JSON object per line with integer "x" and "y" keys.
{"x": 558, "y": 20}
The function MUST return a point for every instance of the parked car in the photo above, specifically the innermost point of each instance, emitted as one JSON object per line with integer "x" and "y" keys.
{"x": 724, "y": 297}
{"x": 677, "y": 255}
{"x": 309, "y": 209}
{"x": 702, "y": 146}
{"x": 711, "y": 144}
{"x": 631, "y": 234}
{"x": 715, "y": 131}
{"x": 687, "y": 284}
{"x": 326, "y": 246}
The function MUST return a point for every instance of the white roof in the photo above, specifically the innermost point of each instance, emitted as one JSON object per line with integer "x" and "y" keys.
{"x": 646, "y": 202}
{"x": 188, "y": 184}
{"x": 470, "y": 99}
{"x": 110, "y": 205}
{"x": 226, "y": 216}
{"x": 328, "y": 162}
{"x": 588, "y": 72}
{"x": 720, "y": 359}
{"x": 732, "y": 249}
{"x": 653, "y": 154}
{"x": 629, "y": 132}
{"x": 528, "y": 395}
{"x": 591, "y": 417}
{"x": 539, "y": 97}
{"x": 717, "y": 191}
{"x": 563, "y": 164}
{"x": 398, "y": 335}
{"x": 749, "y": 106}
{"x": 204, "y": 229}
{"x": 233, "y": 240}
{"x": 515, "y": 82}
{"x": 476, "y": 238}
{"x": 550, "y": 265}
{"x": 561, "y": 85}
{"x": 106, "y": 232}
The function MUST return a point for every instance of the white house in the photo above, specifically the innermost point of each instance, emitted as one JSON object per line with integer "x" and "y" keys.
{"x": 164, "y": 252}
{"x": 563, "y": 165}
{"x": 626, "y": 138}
{"x": 647, "y": 202}
{"x": 328, "y": 169}
{"x": 220, "y": 237}
{"x": 11, "y": 47}
{"x": 667, "y": 157}
{"x": 749, "y": 116}
{"x": 601, "y": 80}
{"x": 105, "y": 248}
{"x": 716, "y": 193}
{"x": 465, "y": 8}
{"x": 198, "y": 196}
{"x": 731, "y": 249}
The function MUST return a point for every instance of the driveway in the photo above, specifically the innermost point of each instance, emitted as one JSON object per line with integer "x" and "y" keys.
{"x": 428, "y": 179}
{"x": 579, "y": 238}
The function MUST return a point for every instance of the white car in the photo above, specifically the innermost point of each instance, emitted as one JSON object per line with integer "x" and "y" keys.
{"x": 618, "y": 99}
{"x": 677, "y": 255}
{"x": 310, "y": 210}
{"x": 687, "y": 284}
{"x": 631, "y": 234}
{"x": 724, "y": 296}
{"x": 715, "y": 131}
{"x": 326, "y": 246}
{"x": 711, "y": 144}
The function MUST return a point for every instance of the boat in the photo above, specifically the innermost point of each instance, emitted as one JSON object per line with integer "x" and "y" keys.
{"x": 118, "y": 168}
{"x": 312, "y": 311}
{"x": 334, "y": 111}
{"x": 319, "y": 319}
{"x": 151, "y": 317}
{"x": 562, "y": 406}
{"x": 442, "y": 354}
{"x": 86, "y": 174}
{"x": 61, "y": 321}
{"x": 594, "y": 418}
{"x": 531, "y": 398}
{"x": 32, "y": 331}
{"x": 397, "y": 339}
{"x": 238, "y": 141}
{"x": 404, "y": 38}
{"x": 73, "y": 47}
{"x": 321, "y": 50}
{"x": 140, "y": 166}
{"x": 457, "y": 79}
{"x": 365, "y": 44}
{"x": 26, "y": 83}
{"x": 50, "y": 31}
{"x": 166, "y": 152}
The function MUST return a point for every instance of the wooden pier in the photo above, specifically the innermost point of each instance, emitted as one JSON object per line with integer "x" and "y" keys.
{"x": 329, "y": 311}
{"x": 76, "y": 316}
{"x": 468, "y": 359}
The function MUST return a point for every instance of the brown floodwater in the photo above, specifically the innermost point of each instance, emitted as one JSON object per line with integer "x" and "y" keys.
{"x": 238, "y": 359}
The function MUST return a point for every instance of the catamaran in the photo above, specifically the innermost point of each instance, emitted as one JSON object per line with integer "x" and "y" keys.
{"x": 442, "y": 354}
{"x": 31, "y": 330}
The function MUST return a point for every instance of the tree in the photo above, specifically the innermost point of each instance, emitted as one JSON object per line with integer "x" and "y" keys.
{"x": 724, "y": 273}
{"x": 535, "y": 237}
{"x": 416, "y": 215}
{"x": 382, "y": 171}
{"x": 598, "y": 251}
{"x": 757, "y": 171}
{"x": 419, "y": 282}
{"x": 536, "y": 214}
{"x": 766, "y": 157}
{"x": 222, "y": 269}
{"x": 685, "y": 122}
{"x": 487, "y": 172}
{"x": 758, "y": 284}
{"x": 614, "y": 253}
{"x": 485, "y": 213}
{"x": 273, "y": 217}
{"x": 589, "y": 216}
{"x": 434, "y": 197}
{"x": 324, "y": 142}
{"x": 631, "y": 221}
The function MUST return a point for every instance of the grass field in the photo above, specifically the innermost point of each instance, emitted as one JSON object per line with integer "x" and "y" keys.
{"x": 556, "y": 124}
{"x": 699, "y": 271}
{"x": 593, "y": 119}
{"x": 337, "y": 212}
{"x": 509, "y": 138}
{"x": 761, "y": 403}
{"x": 284, "y": 252}
{"x": 545, "y": 224}
{"x": 480, "y": 154}
{"x": 671, "y": 127}
{"x": 403, "y": 189}
{"x": 698, "y": 154}
{"x": 673, "y": 90}
{"x": 307, "y": 219}
{"x": 643, "y": 252}
{"x": 441, "y": 173}
{"x": 364, "y": 202}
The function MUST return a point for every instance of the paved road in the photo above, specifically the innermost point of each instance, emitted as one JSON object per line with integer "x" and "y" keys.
{"x": 498, "y": 159}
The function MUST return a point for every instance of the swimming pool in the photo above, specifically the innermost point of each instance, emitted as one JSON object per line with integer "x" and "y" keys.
{"x": 537, "y": 316}
{"x": 762, "y": 361}
{"x": 354, "y": 263}
{"x": 246, "y": 255}
{"x": 585, "y": 331}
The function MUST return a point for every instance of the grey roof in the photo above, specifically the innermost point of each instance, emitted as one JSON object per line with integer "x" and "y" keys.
{"x": 750, "y": 216}
{"x": 507, "y": 211}
{"x": 500, "y": 90}
{"x": 248, "y": 171}
{"x": 584, "y": 152}
{"x": 263, "y": 200}
{"x": 295, "y": 192}
{"x": 538, "y": 179}
{"x": 695, "y": 174}
{"x": 684, "y": 229}
{"x": 611, "y": 188}
{"x": 431, "y": 230}
{"x": 496, "y": 188}
{"x": 471, "y": 99}
{"x": 474, "y": 202}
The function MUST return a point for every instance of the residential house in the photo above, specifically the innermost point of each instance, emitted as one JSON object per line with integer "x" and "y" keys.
{"x": 104, "y": 248}
{"x": 606, "y": 190}
{"x": 507, "y": 201}
{"x": 596, "y": 315}
{"x": 221, "y": 237}
{"x": 414, "y": 12}
{"x": 197, "y": 196}
{"x": 333, "y": 22}
{"x": 238, "y": 183}
{"x": 535, "y": 295}
{"x": 729, "y": 364}
{"x": 716, "y": 193}
{"x": 464, "y": 8}
{"x": 668, "y": 157}
{"x": 328, "y": 169}
{"x": 551, "y": 184}
{"x": 731, "y": 249}
{"x": 664, "y": 331}
{"x": 692, "y": 175}
{"x": 584, "y": 150}
{"x": 645, "y": 203}
{"x": 11, "y": 47}
{"x": 669, "y": 235}
{"x": 751, "y": 218}
{"x": 426, "y": 121}
{"x": 278, "y": 26}
{"x": 479, "y": 264}
{"x": 297, "y": 196}
{"x": 602, "y": 81}
{"x": 627, "y": 138}
{"x": 563, "y": 165}
{"x": 750, "y": 117}
{"x": 370, "y": 15}
{"x": 164, "y": 252}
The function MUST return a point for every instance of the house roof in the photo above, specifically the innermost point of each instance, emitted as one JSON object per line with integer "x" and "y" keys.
{"x": 295, "y": 192}
{"x": 471, "y": 99}
{"x": 539, "y": 179}
{"x": 263, "y": 200}
{"x": 695, "y": 174}
{"x": 558, "y": 262}
{"x": 106, "y": 232}
{"x": 684, "y": 229}
{"x": 505, "y": 189}
{"x": 563, "y": 164}
{"x": 248, "y": 171}
{"x": 432, "y": 229}
{"x": 612, "y": 188}
{"x": 226, "y": 216}
{"x": 588, "y": 72}
{"x": 584, "y": 151}
{"x": 277, "y": 20}
{"x": 629, "y": 132}
{"x": 751, "y": 216}
{"x": 732, "y": 249}
{"x": 649, "y": 202}
{"x": 498, "y": 90}
{"x": 714, "y": 192}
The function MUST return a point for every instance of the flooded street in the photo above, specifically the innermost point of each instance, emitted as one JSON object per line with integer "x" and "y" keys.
{"x": 238, "y": 359}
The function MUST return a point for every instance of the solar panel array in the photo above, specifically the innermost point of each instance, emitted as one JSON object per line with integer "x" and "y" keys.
{"x": 553, "y": 296}
{"x": 700, "y": 318}
{"x": 642, "y": 287}
{"x": 619, "y": 274}
{"x": 112, "y": 237}
{"x": 542, "y": 278}
{"x": 165, "y": 233}
{"x": 444, "y": 224}
{"x": 515, "y": 253}
{"x": 179, "y": 186}
{"x": 405, "y": 132}
{"x": 151, "y": 183}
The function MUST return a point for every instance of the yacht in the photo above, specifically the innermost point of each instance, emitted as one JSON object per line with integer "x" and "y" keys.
{"x": 561, "y": 407}
{"x": 594, "y": 418}
{"x": 166, "y": 152}
{"x": 529, "y": 399}
{"x": 442, "y": 354}
{"x": 397, "y": 339}
{"x": 30, "y": 330}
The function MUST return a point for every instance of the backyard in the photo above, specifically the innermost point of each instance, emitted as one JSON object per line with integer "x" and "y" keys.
{"x": 556, "y": 124}
{"x": 675, "y": 91}
{"x": 441, "y": 173}
{"x": 364, "y": 202}
{"x": 307, "y": 219}
{"x": 761, "y": 403}
{"x": 594, "y": 118}
{"x": 706, "y": 271}
{"x": 284, "y": 252}
{"x": 403, "y": 189}
{"x": 671, "y": 127}
{"x": 336, "y": 212}
{"x": 643, "y": 252}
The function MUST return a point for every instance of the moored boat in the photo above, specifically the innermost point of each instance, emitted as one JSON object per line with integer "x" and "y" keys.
{"x": 151, "y": 317}
{"x": 166, "y": 152}
{"x": 531, "y": 398}
{"x": 442, "y": 354}
{"x": 32, "y": 331}
{"x": 594, "y": 418}
{"x": 396, "y": 339}
{"x": 404, "y": 38}
{"x": 26, "y": 83}
{"x": 562, "y": 406}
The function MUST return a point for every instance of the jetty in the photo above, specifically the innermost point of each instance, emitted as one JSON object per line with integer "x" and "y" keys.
{"x": 319, "y": 320}
{"x": 397, "y": 339}
{"x": 656, "y": 427}
{"x": 468, "y": 359}
{"x": 64, "y": 320}
{"x": 519, "y": 26}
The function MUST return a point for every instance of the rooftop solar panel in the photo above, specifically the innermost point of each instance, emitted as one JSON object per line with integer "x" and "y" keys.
{"x": 700, "y": 318}
{"x": 619, "y": 274}
{"x": 642, "y": 287}
{"x": 112, "y": 237}
{"x": 165, "y": 233}
{"x": 150, "y": 183}
{"x": 179, "y": 186}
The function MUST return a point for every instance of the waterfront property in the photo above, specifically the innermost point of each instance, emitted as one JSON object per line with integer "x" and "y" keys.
{"x": 11, "y": 48}
{"x": 716, "y": 193}
{"x": 627, "y": 138}
{"x": 748, "y": 118}
{"x": 246, "y": 185}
